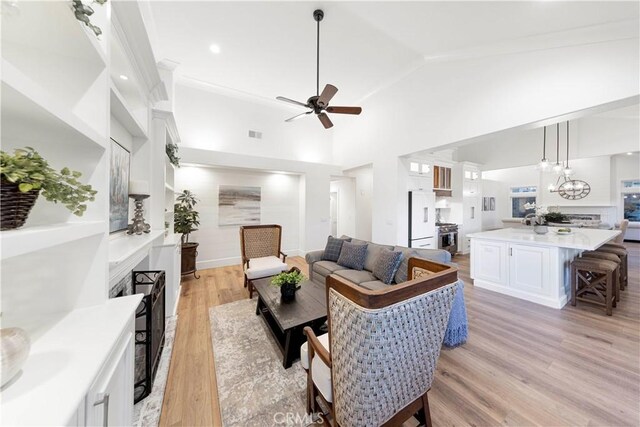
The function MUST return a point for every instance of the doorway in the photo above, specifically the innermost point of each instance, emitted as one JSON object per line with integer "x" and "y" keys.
{"x": 333, "y": 212}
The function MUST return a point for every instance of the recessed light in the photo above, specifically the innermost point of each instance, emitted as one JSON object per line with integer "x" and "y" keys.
{"x": 214, "y": 48}
{"x": 123, "y": 77}
{"x": 629, "y": 153}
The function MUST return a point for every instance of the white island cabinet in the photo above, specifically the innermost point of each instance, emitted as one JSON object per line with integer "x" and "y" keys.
{"x": 530, "y": 266}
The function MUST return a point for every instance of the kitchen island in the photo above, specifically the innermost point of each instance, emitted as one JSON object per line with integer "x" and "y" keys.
{"x": 530, "y": 266}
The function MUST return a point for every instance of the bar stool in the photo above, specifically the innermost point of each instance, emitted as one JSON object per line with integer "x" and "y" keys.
{"x": 592, "y": 276}
{"x": 624, "y": 266}
{"x": 608, "y": 257}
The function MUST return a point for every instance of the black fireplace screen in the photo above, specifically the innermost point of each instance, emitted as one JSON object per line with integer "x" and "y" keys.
{"x": 150, "y": 323}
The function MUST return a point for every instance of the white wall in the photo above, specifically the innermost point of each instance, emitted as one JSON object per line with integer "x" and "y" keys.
{"x": 221, "y": 245}
{"x": 312, "y": 190}
{"x": 346, "y": 190}
{"x": 445, "y": 102}
{"x": 364, "y": 195}
{"x": 211, "y": 121}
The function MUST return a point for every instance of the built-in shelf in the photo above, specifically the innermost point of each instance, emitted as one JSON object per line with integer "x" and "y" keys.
{"x": 53, "y": 29}
{"x": 168, "y": 187}
{"x": 126, "y": 246}
{"x": 63, "y": 362}
{"x": 122, "y": 112}
{"x": 30, "y": 113}
{"x": 31, "y": 239}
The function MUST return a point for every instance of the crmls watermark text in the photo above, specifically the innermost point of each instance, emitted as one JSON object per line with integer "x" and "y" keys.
{"x": 294, "y": 418}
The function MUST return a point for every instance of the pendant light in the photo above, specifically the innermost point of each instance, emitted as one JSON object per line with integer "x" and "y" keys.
{"x": 544, "y": 163}
{"x": 557, "y": 168}
{"x": 567, "y": 171}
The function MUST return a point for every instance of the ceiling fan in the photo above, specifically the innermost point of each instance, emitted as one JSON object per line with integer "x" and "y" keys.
{"x": 319, "y": 103}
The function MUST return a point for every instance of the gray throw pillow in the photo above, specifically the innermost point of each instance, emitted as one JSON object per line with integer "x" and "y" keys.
{"x": 352, "y": 256}
{"x": 332, "y": 250}
{"x": 373, "y": 250}
{"x": 403, "y": 269}
{"x": 387, "y": 265}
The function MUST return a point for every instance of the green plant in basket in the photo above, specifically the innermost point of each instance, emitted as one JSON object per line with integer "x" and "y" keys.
{"x": 27, "y": 169}
{"x": 291, "y": 278}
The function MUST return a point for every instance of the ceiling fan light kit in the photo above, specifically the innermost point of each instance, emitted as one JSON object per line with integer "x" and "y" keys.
{"x": 319, "y": 103}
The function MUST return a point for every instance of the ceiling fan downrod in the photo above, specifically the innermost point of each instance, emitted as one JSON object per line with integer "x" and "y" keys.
{"x": 318, "y": 14}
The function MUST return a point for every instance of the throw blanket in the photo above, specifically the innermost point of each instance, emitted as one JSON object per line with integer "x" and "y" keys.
{"x": 457, "y": 329}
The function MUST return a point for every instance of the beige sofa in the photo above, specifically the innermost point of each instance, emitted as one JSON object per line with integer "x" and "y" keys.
{"x": 319, "y": 269}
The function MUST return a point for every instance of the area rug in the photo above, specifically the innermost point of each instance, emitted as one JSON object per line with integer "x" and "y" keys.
{"x": 146, "y": 413}
{"x": 253, "y": 387}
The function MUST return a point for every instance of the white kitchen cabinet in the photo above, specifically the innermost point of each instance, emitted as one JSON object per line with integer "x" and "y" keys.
{"x": 529, "y": 269}
{"x": 109, "y": 401}
{"x": 489, "y": 261}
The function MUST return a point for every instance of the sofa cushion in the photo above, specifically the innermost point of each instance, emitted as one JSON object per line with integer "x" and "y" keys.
{"x": 403, "y": 269}
{"x": 332, "y": 250}
{"x": 352, "y": 256}
{"x": 324, "y": 268}
{"x": 374, "y": 285}
{"x": 386, "y": 265}
{"x": 373, "y": 250}
{"x": 321, "y": 375}
{"x": 360, "y": 242}
{"x": 355, "y": 276}
{"x": 438, "y": 255}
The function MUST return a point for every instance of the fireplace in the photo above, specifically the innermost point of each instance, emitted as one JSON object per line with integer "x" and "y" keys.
{"x": 150, "y": 325}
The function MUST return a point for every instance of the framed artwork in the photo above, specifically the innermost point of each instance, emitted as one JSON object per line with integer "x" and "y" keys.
{"x": 492, "y": 203}
{"x": 488, "y": 203}
{"x": 118, "y": 187}
{"x": 238, "y": 205}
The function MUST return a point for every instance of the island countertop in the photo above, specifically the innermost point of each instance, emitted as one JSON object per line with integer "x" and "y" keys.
{"x": 579, "y": 238}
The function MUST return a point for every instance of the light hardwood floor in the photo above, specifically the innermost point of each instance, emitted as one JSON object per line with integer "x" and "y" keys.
{"x": 524, "y": 364}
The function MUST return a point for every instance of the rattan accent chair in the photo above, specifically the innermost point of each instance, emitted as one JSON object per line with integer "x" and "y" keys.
{"x": 377, "y": 362}
{"x": 260, "y": 246}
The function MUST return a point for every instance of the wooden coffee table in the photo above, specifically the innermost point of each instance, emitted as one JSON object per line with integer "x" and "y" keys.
{"x": 287, "y": 320}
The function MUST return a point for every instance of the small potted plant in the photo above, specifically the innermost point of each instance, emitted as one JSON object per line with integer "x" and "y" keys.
{"x": 26, "y": 174}
{"x": 172, "y": 154}
{"x": 186, "y": 221}
{"x": 288, "y": 283}
{"x": 537, "y": 219}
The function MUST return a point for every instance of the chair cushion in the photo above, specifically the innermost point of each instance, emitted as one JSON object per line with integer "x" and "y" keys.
{"x": 355, "y": 276}
{"x": 324, "y": 268}
{"x": 403, "y": 269}
{"x": 304, "y": 350}
{"x": 373, "y": 250}
{"x": 352, "y": 256}
{"x": 333, "y": 248}
{"x": 321, "y": 375}
{"x": 374, "y": 285}
{"x": 265, "y": 267}
{"x": 386, "y": 265}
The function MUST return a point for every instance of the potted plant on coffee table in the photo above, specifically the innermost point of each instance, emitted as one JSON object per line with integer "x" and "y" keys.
{"x": 288, "y": 283}
{"x": 25, "y": 175}
{"x": 186, "y": 220}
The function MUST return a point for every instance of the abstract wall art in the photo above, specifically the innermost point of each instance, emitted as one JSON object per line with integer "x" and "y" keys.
{"x": 238, "y": 205}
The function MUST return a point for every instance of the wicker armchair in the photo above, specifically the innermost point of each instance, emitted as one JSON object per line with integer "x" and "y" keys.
{"x": 382, "y": 348}
{"x": 260, "y": 246}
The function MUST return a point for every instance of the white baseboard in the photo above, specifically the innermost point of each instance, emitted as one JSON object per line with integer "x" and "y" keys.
{"x": 237, "y": 260}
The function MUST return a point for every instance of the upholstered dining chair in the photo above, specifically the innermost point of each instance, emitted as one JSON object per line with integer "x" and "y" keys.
{"x": 260, "y": 246}
{"x": 377, "y": 362}
{"x": 623, "y": 229}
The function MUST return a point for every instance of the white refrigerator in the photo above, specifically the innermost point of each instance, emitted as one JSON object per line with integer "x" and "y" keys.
{"x": 422, "y": 220}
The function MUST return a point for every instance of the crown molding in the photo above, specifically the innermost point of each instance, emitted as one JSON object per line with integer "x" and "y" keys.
{"x": 129, "y": 27}
{"x": 170, "y": 121}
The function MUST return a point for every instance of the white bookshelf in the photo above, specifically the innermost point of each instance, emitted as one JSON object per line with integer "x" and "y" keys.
{"x": 124, "y": 114}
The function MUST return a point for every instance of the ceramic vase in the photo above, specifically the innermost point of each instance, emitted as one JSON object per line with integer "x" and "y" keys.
{"x": 288, "y": 292}
{"x": 14, "y": 349}
{"x": 541, "y": 229}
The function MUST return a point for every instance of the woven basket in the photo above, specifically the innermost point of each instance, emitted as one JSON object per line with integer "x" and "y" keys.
{"x": 15, "y": 205}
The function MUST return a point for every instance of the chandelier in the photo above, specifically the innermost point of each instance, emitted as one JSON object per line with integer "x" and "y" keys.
{"x": 567, "y": 187}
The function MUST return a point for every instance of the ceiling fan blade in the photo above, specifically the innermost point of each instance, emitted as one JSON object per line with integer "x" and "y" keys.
{"x": 344, "y": 110}
{"x": 282, "y": 98}
{"x": 326, "y": 121}
{"x": 327, "y": 93}
{"x": 299, "y": 116}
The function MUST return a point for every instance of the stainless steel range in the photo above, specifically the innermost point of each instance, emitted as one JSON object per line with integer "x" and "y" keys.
{"x": 448, "y": 237}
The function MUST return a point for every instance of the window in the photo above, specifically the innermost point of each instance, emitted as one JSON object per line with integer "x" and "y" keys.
{"x": 631, "y": 203}
{"x": 414, "y": 167}
{"x": 517, "y": 206}
{"x": 527, "y": 189}
{"x": 632, "y": 183}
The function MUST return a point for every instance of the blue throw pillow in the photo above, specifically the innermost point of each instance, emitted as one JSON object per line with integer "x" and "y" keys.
{"x": 332, "y": 250}
{"x": 353, "y": 256}
{"x": 386, "y": 265}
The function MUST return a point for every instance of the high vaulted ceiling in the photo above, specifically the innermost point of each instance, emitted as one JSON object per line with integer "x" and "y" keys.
{"x": 268, "y": 48}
